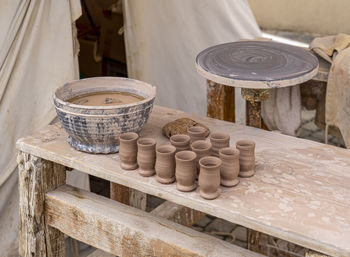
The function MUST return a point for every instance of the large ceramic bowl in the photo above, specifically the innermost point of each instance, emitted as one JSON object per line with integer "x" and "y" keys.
{"x": 96, "y": 129}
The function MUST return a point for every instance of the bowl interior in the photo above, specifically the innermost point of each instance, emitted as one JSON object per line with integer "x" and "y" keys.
{"x": 104, "y": 84}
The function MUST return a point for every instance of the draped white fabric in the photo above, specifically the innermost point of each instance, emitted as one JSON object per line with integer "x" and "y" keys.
{"x": 164, "y": 37}
{"x": 38, "y": 53}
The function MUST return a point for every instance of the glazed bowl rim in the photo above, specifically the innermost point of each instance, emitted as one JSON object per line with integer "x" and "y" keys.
{"x": 109, "y": 107}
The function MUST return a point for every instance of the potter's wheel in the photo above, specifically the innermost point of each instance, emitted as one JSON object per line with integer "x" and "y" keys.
{"x": 257, "y": 64}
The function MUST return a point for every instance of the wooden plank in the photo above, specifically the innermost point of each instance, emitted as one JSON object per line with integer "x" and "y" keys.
{"x": 220, "y": 101}
{"x": 126, "y": 231}
{"x": 240, "y": 108}
{"x": 119, "y": 193}
{"x": 100, "y": 253}
{"x": 310, "y": 253}
{"x": 137, "y": 199}
{"x": 178, "y": 213}
{"x": 36, "y": 177}
{"x": 128, "y": 196}
{"x": 299, "y": 192}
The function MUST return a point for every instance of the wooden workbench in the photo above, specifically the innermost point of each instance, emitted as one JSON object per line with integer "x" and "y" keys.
{"x": 300, "y": 192}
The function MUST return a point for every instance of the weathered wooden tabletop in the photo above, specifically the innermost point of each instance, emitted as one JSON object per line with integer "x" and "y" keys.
{"x": 300, "y": 193}
{"x": 257, "y": 64}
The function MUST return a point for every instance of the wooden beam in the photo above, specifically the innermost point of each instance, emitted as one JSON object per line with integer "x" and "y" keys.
{"x": 137, "y": 199}
{"x": 119, "y": 193}
{"x": 311, "y": 253}
{"x": 178, "y": 213}
{"x": 220, "y": 101}
{"x": 36, "y": 177}
{"x": 128, "y": 196}
{"x": 100, "y": 253}
{"x": 126, "y": 231}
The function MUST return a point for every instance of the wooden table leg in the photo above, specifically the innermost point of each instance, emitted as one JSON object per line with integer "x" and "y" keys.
{"x": 254, "y": 98}
{"x": 178, "y": 213}
{"x": 254, "y": 114}
{"x": 220, "y": 101}
{"x": 36, "y": 177}
{"x": 119, "y": 193}
{"x": 128, "y": 196}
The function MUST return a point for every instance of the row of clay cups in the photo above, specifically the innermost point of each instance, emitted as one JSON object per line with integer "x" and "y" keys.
{"x": 197, "y": 133}
{"x": 244, "y": 152}
{"x": 142, "y": 152}
{"x": 170, "y": 165}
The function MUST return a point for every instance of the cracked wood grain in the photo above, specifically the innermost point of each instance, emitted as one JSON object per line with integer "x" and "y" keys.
{"x": 36, "y": 177}
{"x": 125, "y": 231}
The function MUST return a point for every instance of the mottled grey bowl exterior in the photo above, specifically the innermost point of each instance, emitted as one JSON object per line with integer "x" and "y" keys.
{"x": 96, "y": 129}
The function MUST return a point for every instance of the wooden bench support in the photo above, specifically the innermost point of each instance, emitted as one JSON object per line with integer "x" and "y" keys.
{"x": 178, "y": 213}
{"x": 100, "y": 253}
{"x": 36, "y": 177}
{"x": 311, "y": 253}
{"x": 220, "y": 101}
{"x": 126, "y": 231}
{"x": 119, "y": 193}
{"x": 128, "y": 196}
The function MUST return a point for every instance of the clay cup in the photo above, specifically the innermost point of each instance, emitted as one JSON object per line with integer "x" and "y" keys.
{"x": 146, "y": 156}
{"x": 230, "y": 166}
{"x": 209, "y": 177}
{"x": 165, "y": 164}
{"x": 201, "y": 148}
{"x": 185, "y": 171}
{"x": 246, "y": 157}
{"x": 197, "y": 133}
{"x": 219, "y": 140}
{"x": 128, "y": 150}
{"x": 181, "y": 142}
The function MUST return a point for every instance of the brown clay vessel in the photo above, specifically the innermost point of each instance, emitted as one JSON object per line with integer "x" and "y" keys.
{"x": 185, "y": 170}
{"x": 209, "y": 177}
{"x": 181, "y": 142}
{"x": 201, "y": 148}
{"x": 146, "y": 156}
{"x": 230, "y": 166}
{"x": 219, "y": 140}
{"x": 165, "y": 164}
{"x": 197, "y": 133}
{"x": 246, "y": 157}
{"x": 128, "y": 150}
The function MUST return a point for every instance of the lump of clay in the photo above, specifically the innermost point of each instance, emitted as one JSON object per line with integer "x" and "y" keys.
{"x": 180, "y": 126}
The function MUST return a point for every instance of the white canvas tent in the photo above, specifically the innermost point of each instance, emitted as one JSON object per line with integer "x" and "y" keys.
{"x": 38, "y": 52}
{"x": 163, "y": 38}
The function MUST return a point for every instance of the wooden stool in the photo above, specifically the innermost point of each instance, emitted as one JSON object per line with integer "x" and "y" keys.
{"x": 256, "y": 67}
